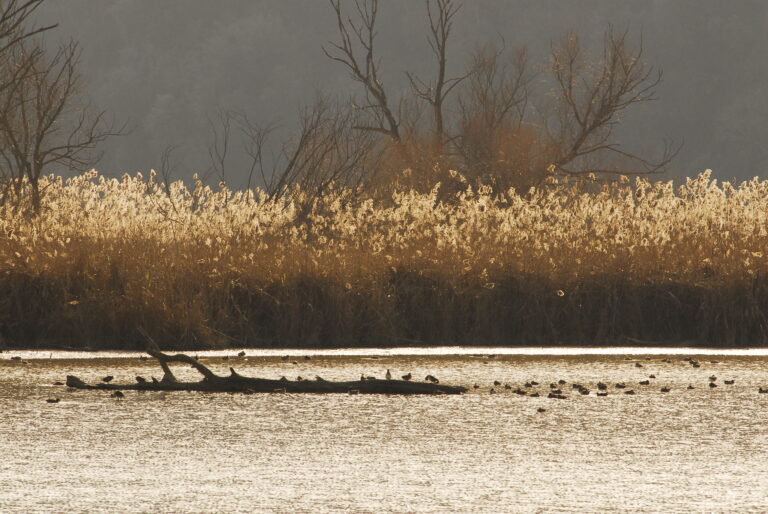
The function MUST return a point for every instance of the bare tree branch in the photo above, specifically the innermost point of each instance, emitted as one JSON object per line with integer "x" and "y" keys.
{"x": 357, "y": 38}
{"x": 592, "y": 96}
{"x": 42, "y": 120}
{"x": 440, "y": 14}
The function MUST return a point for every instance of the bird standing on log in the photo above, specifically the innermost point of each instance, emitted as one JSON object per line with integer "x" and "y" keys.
{"x": 388, "y": 375}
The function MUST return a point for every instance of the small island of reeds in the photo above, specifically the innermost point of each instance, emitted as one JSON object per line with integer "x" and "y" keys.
{"x": 200, "y": 267}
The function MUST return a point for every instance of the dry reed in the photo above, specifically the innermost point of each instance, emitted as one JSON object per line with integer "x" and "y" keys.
{"x": 566, "y": 264}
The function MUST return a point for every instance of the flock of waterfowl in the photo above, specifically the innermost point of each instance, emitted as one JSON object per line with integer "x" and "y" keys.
{"x": 559, "y": 389}
{"x": 556, "y": 390}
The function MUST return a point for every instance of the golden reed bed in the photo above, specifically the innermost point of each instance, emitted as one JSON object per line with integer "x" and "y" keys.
{"x": 203, "y": 268}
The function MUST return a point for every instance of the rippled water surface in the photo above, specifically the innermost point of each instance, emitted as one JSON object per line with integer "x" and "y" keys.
{"x": 701, "y": 449}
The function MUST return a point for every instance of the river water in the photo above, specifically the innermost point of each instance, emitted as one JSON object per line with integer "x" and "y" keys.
{"x": 700, "y": 449}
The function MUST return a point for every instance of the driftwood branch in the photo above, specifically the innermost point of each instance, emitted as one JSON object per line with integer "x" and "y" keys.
{"x": 236, "y": 383}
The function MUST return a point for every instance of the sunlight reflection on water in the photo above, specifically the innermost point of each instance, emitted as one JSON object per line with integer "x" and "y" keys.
{"x": 698, "y": 449}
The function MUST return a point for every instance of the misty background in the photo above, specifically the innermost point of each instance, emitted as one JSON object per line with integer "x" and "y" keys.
{"x": 165, "y": 67}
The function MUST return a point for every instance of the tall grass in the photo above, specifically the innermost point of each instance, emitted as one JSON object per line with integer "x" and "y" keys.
{"x": 567, "y": 264}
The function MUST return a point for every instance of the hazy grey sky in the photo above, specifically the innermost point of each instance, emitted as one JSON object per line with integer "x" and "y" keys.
{"x": 165, "y": 66}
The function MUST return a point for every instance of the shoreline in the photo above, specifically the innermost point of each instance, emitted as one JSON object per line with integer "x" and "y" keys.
{"x": 476, "y": 352}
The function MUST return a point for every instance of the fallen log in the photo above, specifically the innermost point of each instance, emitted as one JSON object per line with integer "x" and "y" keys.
{"x": 236, "y": 383}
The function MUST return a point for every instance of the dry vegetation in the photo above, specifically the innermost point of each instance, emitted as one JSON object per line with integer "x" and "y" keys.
{"x": 588, "y": 263}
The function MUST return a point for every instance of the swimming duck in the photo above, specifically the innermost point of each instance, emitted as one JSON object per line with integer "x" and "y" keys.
{"x": 762, "y": 391}
{"x": 602, "y": 386}
{"x": 241, "y": 354}
{"x": 620, "y": 385}
{"x": 496, "y": 383}
{"x": 602, "y": 394}
{"x": 644, "y": 382}
{"x": 629, "y": 392}
{"x": 541, "y": 409}
{"x": 108, "y": 378}
{"x": 712, "y": 384}
{"x": 53, "y": 400}
{"x": 729, "y": 382}
{"x": 118, "y": 395}
{"x": 664, "y": 389}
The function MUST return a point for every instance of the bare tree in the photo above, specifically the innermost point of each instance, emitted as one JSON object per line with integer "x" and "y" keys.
{"x": 591, "y": 97}
{"x": 327, "y": 149}
{"x": 220, "y": 128}
{"x": 440, "y": 14}
{"x": 355, "y": 38}
{"x": 492, "y": 134}
{"x": 43, "y": 121}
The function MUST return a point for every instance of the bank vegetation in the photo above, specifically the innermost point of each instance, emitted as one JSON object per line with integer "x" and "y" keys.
{"x": 570, "y": 263}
